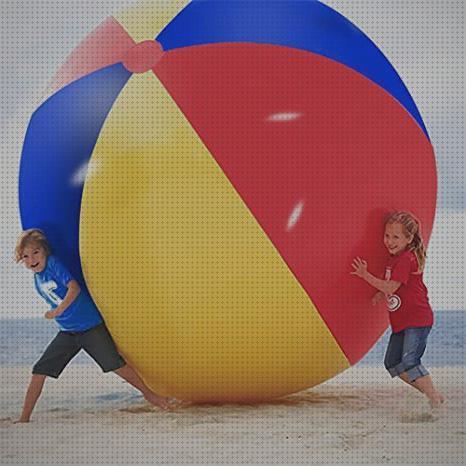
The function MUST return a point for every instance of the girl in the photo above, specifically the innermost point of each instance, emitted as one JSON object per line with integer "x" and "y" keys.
{"x": 411, "y": 316}
{"x": 81, "y": 325}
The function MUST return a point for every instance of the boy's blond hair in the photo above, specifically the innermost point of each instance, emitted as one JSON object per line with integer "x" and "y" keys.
{"x": 31, "y": 236}
{"x": 411, "y": 226}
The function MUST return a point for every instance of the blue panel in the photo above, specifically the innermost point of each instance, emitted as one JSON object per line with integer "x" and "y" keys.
{"x": 303, "y": 24}
{"x": 59, "y": 142}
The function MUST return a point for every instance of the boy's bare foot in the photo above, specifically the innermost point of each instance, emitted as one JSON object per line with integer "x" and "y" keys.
{"x": 20, "y": 421}
{"x": 157, "y": 400}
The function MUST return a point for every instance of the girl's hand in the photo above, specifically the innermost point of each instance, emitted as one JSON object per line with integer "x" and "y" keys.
{"x": 360, "y": 267}
{"x": 50, "y": 315}
{"x": 377, "y": 298}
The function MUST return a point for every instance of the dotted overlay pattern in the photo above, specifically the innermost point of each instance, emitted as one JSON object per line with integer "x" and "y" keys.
{"x": 367, "y": 418}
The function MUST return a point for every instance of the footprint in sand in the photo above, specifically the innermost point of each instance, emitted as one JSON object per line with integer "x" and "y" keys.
{"x": 415, "y": 418}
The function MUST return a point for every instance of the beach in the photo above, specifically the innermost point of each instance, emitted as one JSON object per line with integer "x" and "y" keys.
{"x": 361, "y": 416}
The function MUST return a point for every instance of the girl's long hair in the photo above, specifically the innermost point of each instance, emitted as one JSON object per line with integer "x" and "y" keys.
{"x": 31, "y": 236}
{"x": 411, "y": 226}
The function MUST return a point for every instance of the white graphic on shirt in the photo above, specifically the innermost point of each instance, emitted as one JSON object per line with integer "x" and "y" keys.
{"x": 393, "y": 300}
{"x": 388, "y": 273}
{"x": 49, "y": 289}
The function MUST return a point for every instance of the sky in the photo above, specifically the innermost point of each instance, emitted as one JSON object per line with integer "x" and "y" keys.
{"x": 423, "y": 39}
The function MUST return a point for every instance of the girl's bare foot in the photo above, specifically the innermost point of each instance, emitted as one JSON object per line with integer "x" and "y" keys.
{"x": 436, "y": 400}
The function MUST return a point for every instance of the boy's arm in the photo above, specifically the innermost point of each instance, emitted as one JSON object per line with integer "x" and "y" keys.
{"x": 71, "y": 295}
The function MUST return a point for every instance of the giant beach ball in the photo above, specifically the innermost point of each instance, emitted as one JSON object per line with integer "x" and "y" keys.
{"x": 208, "y": 170}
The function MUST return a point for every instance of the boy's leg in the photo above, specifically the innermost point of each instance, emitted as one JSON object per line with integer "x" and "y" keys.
{"x": 99, "y": 344}
{"x": 32, "y": 395}
{"x": 56, "y": 356}
{"x": 129, "y": 374}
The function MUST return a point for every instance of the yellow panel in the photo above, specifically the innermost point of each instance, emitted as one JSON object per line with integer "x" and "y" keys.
{"x": 196, "y": 295}
{"x": 147, "y": 19}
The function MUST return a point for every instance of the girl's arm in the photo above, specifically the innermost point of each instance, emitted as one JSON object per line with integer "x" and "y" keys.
{"x": 71, "y": 295}
{"x": 385, "y": 286}
{"x": 377, "y": 298}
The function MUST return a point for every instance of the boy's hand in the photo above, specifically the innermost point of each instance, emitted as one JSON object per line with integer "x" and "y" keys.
{"x": 360, "y": 267}
{"x": 50, "y": 315}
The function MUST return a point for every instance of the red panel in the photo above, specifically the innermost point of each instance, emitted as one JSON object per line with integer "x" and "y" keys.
{"x": 105, "y": 46}
{"x": 142, "y": 57}
{"x": 292, "y": 128}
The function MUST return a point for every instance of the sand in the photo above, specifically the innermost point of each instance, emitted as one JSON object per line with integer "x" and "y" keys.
{"x": 361, "y": 416}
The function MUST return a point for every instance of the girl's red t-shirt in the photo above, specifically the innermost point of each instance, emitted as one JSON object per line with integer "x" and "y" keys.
{"x": 409, "y": 305}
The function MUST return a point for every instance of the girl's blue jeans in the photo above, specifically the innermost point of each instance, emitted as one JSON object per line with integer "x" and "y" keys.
{"x": 404, "y": 352}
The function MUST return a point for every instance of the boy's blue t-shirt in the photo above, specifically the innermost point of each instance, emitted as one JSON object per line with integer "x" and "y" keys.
{"x": 82, "y": 314}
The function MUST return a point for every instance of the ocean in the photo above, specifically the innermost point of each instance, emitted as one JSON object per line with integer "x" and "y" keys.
{"x": 23, "y": 340}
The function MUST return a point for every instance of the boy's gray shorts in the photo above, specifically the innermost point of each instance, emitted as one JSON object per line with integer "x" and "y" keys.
{"x": 96, "y": 341}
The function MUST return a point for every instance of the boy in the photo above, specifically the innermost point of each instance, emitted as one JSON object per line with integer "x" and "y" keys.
{"x": 80, "y": 322}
